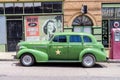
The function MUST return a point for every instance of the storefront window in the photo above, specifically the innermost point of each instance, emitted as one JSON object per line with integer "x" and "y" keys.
{"x": 28, "y": 8}
{"x": 57, "y": 7}
{"x": 9, "y": 8}
{"x": 110, "y": 15}
{"x": 18, "y": 8}
{"x": 108, "y": 12}
{"x": 1, "y": 8}
{"x": 32, "y": 7}
{"x": 38, "y": 8}
{"x": 48, "y": 7}
{"x": 117, "y": 10}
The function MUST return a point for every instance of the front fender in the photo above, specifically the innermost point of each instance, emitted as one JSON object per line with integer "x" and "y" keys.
{"x": 99, "y": 55}
{"x": 23, "y": 47}
{"x": 38, "y": 55}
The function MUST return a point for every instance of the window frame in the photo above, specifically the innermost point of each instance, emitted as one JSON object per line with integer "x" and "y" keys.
{"x": 2, "y": 9}
{"x": 9, "y": 8}
{"x": 44, "y": 7}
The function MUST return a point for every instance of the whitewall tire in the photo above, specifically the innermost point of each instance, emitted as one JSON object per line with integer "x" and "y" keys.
{"x": 88, "y": 60}
{"x": 27, "y": 60}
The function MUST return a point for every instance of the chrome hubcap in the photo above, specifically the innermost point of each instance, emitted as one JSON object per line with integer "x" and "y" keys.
{"x": 88, "y": 60}
{"x": 27, "y": 60}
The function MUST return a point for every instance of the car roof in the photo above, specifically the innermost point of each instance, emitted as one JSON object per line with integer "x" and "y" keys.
{"x": 77, "y": 33}
{"x": 72, "y": 33}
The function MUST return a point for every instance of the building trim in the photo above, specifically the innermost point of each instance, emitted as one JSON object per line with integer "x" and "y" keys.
{"x": 79, "y": 13}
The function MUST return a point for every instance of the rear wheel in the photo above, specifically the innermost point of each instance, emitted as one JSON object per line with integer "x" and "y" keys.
{"x": 27, "y": 60}
{"x": 88, "y": 60}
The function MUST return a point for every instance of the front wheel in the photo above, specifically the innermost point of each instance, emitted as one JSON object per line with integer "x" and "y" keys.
{"x": 27, "y": 60}
{"x": 88, "y": 60}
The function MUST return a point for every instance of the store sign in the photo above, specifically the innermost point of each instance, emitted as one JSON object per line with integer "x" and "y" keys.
{"x": 108, "y": 12}
{"x": 32, "y": 28}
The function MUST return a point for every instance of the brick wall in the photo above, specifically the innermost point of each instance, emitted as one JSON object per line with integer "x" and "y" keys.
{"x": 72, "y": 8}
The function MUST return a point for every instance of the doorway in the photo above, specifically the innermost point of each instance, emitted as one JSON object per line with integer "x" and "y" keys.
{"x": 14, "y": 34}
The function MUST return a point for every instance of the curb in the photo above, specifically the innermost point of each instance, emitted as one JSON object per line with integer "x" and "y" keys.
{"x": 8, "y": 60}
{"x": 113, "y": 61}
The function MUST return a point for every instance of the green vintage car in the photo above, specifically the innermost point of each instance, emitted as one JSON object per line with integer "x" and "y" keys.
{"x": 62, "y": 47}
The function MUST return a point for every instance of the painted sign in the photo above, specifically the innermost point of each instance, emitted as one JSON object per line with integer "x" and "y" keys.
{"x": 50, "y": 25}
{"x": 32, "y": 28}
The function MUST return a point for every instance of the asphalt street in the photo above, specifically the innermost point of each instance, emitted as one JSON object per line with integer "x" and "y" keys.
{"x": 12, "y": 70}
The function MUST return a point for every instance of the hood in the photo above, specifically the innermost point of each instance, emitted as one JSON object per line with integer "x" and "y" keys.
{"x": 22, "y": 43}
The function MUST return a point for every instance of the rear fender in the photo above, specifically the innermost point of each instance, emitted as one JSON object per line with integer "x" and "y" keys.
{"x": 99, "y": 55}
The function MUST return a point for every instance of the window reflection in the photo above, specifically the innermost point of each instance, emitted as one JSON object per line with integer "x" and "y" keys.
{"x": 75, "y": 38}
{"x": 38, "y": 8}
{"x": 60, "y": 39}
{"x": 9, "y": 8}
{"x": 18, "y": 8}
{"x": 87, "y": 39}
{"x": 28, "y": 7}
{"x": 57, "y": 7}
{"x": 47, "y": 7}
{"x": 1, "y": 8}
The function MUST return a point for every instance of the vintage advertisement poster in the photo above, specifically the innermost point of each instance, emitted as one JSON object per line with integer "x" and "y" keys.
{"x": 50, "y": 25}
{"x": 39, "y": 28}
{"x": 32, "y": 28}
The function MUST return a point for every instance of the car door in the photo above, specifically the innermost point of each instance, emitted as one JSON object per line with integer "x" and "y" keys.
{"x": 58, "y": 48}
{"x": 75, "y": 46}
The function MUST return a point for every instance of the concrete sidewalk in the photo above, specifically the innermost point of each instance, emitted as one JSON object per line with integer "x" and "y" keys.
{"x": 7, "y": 56}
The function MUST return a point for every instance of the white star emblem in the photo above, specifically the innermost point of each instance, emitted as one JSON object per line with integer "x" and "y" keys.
{"x": 58, "y": 52}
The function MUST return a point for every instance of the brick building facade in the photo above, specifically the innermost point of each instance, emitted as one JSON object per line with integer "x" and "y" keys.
{"x": 102, "y": 14}
{"x": 68, "y": 15}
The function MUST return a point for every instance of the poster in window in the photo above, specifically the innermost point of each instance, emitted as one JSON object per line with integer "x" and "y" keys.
{"x": 32, "y": 28}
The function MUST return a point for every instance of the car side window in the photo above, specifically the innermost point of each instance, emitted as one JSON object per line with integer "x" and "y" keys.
{"x": 87, "y": 39}
{"x": 60, "y": 39}
{"x": 75, "y": 38}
